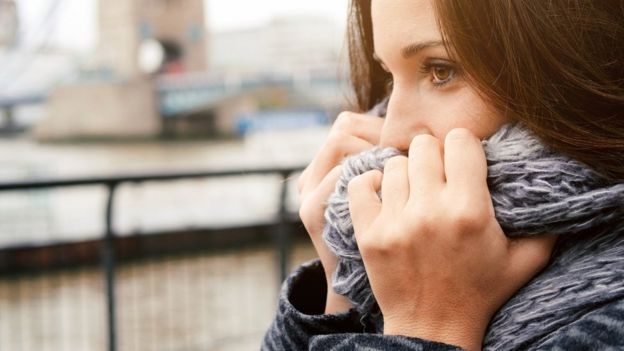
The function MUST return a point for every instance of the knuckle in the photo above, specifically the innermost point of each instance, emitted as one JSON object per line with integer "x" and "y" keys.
{"x": 311, "y": 216}
{"x": 422, "y": 218}
{"x": 356, "y": 183}
{"x": 337, "y": 170}
{"x": 465, "y": 219}
{"x": 396, "y": 239}
{"x": 395, "y": 242}
{"x": 423, "y": 223}
{"x": 395, "y": 162}
{"x": 301, "y": 182}
{"x": 344, "y": 121}
{"x": 335, "y": 142}
{"x": 373, "y": 174}
{"x": 425, "y": 140}
{"x": 460, "y": 134}
{"x": 305, "y": 211}
{"x": 376, "y": 247}
{"x": 365, "y": 245}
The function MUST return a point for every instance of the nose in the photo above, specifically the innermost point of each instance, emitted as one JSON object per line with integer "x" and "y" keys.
{"x": 402, "y": 123}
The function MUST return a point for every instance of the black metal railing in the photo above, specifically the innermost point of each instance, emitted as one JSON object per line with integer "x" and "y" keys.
{"x": 107, "y": 254}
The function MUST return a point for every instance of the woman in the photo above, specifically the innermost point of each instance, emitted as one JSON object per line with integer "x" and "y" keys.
{"x": 442, "y": 271}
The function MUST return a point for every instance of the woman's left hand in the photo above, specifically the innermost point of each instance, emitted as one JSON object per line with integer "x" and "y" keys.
{"x": 438, "y": 261}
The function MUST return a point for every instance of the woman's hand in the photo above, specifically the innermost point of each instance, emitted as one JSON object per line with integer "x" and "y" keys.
{"x": 352, "y": 133}
{"x": 438, "y": 262}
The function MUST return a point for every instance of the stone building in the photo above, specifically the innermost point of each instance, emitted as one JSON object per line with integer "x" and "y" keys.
{"x": 124, "y": 104}
{"x": 178, "y": 25}
{"x": 298, "y": 44}
{"x": 8, "y": 23}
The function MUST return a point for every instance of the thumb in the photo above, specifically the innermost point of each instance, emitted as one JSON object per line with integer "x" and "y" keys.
{"x": 529, "y": 255}
{"x": 364, "y": 203}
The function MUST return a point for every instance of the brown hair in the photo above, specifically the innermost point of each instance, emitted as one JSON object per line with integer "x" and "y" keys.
{"x": 555, "y": 66}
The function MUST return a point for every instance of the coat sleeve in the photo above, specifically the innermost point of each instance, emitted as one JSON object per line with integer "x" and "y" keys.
{"x": 375, "y": 342}
{"x": 300, "y": 322}
{"x": 300, "y": 311}
{"x": 600, "y": 329}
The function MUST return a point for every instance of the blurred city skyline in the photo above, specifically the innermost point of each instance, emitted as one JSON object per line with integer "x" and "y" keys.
{"x": 106, "y": 89}
{"x": 76, "y": 27}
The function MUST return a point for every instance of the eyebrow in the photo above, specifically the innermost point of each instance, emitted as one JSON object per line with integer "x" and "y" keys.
{"x": 414, "y": 48}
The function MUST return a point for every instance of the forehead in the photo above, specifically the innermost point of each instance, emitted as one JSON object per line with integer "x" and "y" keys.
{"x": 398, "y": 23}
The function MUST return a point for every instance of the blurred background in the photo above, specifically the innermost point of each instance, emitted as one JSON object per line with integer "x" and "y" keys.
{"x": 149, "y": 152}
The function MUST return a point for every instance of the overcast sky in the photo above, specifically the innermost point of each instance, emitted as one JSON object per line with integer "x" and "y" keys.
{"x": 76, "y": 25}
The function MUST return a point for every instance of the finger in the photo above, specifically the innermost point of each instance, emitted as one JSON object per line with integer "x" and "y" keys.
{"x": 351, "y": 133}
{"x": 530, "y": 254}
{"x": 302, "y": 180}
{"x": 331, "y": 155}
{"x": 464, "y": 163}
{"x": 365, "y": 127}
{"x": 313, "y": 206}
{"x": 312, "y": 213}
{"x": 328, "y": 184}
{"x": 395, "y": 185}
{"x": 364, "y": 204}
{"x": 426, "y": 168}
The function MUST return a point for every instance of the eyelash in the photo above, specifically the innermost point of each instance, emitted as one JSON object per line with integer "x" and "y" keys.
{"x": 427, "y": 68}
{"x": 429, "y": 65}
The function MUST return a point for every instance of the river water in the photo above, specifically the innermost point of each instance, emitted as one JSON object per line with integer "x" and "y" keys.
{"x": 36, "y": 217}
{"x": 210, "y": 301}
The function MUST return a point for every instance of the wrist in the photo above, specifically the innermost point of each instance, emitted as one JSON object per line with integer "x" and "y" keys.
{"x": 335, "y": 303}
{"x": 466, "y": 332}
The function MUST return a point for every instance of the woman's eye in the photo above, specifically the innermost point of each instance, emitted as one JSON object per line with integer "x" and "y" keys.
{"x": 441, "y": 74}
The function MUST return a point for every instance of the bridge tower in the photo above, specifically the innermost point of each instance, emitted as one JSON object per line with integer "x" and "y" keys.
{"x": 8, "y": 23}
{"x": 178, "y": 26}
{"x": 167, "y": 34}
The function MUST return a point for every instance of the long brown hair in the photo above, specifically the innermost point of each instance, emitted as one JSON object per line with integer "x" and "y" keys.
{"x": 556, "y": 66}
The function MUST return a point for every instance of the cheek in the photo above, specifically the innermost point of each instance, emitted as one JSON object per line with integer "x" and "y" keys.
{"x": 464, "y": 109}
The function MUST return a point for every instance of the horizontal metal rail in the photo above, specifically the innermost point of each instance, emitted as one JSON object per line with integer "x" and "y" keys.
{"x": 141, "y": 177}
{"x": 112, "y": 182}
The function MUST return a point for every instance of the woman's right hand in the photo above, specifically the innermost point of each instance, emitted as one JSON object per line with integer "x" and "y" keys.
{"x": 350, "y": 134}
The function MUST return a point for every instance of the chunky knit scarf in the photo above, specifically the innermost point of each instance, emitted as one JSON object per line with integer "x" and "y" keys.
{"x": 534, "y": 190}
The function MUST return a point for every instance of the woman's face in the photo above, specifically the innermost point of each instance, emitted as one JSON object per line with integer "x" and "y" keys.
{"x": 429, "y": 92}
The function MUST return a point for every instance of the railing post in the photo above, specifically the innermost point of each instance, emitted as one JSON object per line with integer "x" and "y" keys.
{"x": 282, "y": 234}
{"x": 9, "y": 118}
{"x": 108, "y": 261}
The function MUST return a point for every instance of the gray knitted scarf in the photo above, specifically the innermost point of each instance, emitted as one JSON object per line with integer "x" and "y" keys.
{"x": 534, "y": 190}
